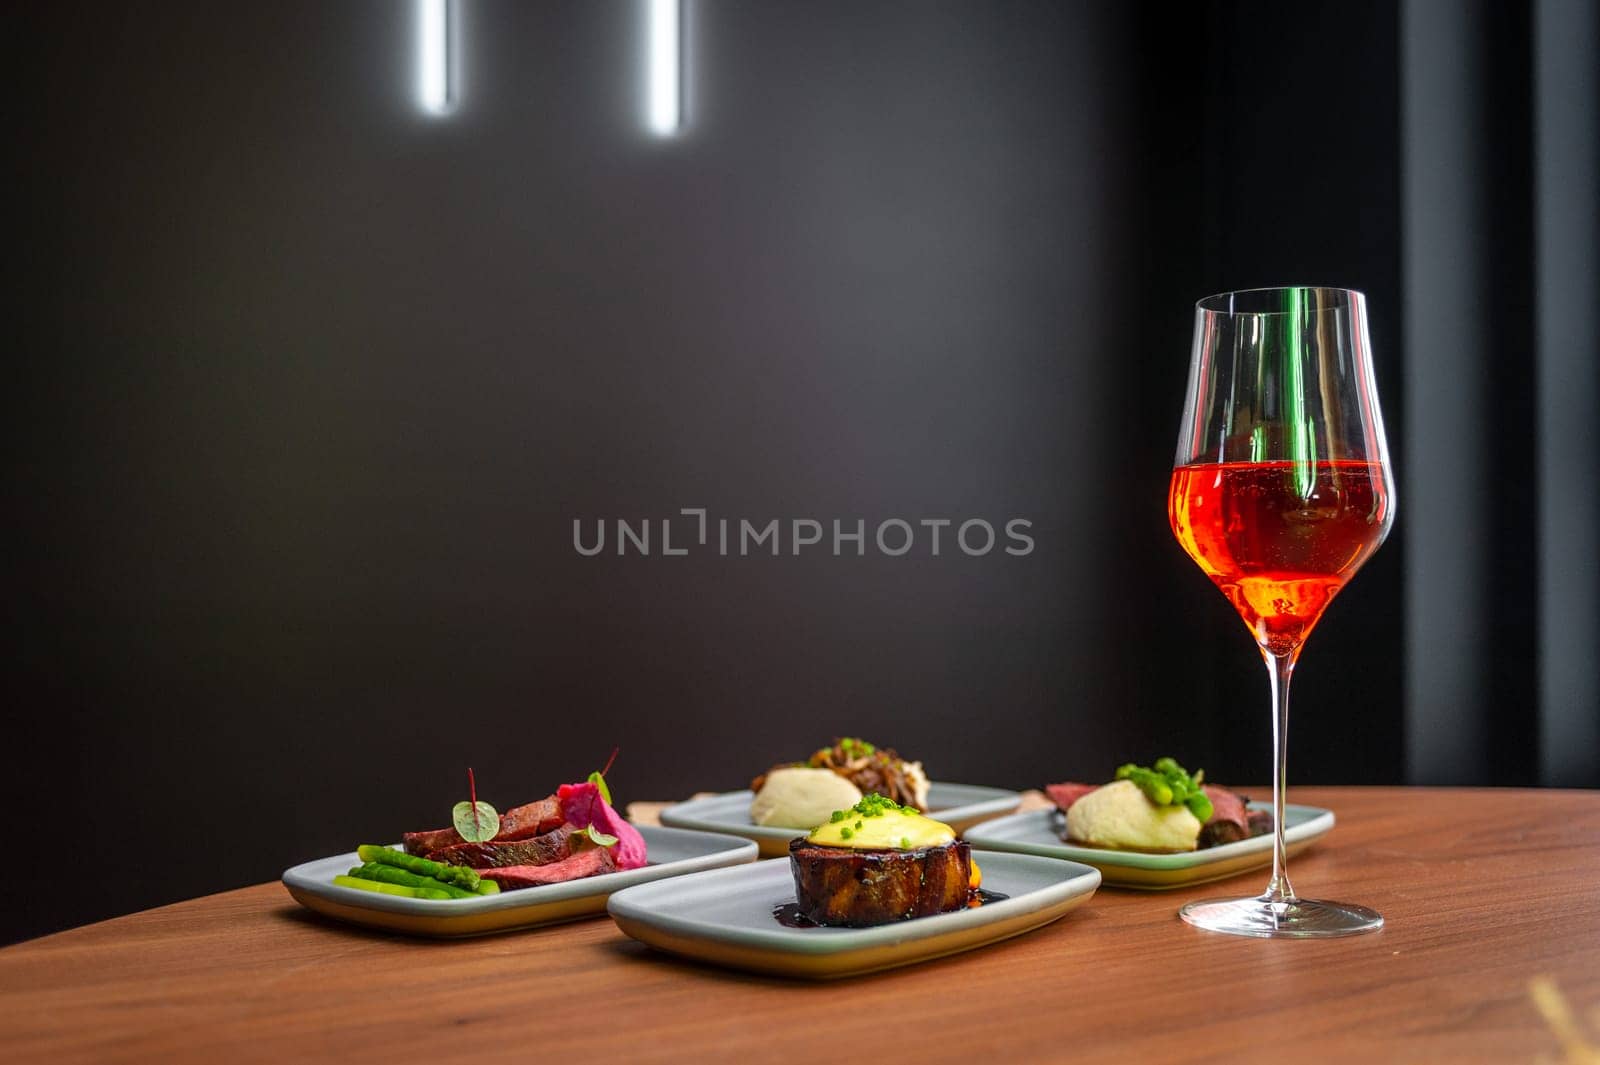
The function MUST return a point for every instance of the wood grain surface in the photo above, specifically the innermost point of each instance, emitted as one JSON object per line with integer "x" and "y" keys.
{"x": 1483, "y": 891}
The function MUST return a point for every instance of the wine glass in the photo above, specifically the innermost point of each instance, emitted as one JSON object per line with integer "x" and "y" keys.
{"x": 1281, "y": 490}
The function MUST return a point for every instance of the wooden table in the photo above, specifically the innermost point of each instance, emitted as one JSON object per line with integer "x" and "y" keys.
{"x": 1483, "y": 891}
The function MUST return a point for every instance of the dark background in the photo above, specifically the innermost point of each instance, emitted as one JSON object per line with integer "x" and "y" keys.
{"x": 309, "y": 388}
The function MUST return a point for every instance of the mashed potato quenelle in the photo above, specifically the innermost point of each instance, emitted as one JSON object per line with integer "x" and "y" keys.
{"x": 798, "y": 797}
{"x": 1119, "y": 817}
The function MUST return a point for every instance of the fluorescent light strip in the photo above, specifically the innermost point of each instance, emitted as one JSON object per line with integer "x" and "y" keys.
{"x": 666, "y": 67}
{"x": 436, "y": 82}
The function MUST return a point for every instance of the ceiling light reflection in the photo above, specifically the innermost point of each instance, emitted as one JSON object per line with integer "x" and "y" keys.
{"x": 436, "y": 56}
{"x": 666, "y": 73}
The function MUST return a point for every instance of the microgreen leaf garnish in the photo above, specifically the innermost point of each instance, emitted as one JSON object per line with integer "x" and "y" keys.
{"x": 475, "y": 821}
{"x": 599, "y": 838}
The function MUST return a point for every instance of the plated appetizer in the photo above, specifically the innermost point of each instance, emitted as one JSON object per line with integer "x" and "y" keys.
{"x": 569, "y": 835}
{"x": 960, "y": 806}
{"x": 803, "y": 794}
{"x": 726, "y": 917}
{"x": 1159, "y": 809}
{"x": 877, "y": 862}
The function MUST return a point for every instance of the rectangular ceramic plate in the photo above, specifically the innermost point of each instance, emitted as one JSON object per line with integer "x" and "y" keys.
{"x": 672, "y": 852}
{"x": 725, "y": 917}
{"x": 958, "y": 805}
{"x": 1039, "y": 832}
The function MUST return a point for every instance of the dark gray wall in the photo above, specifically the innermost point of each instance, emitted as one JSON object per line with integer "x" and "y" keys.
{"x": 309, "y": 390}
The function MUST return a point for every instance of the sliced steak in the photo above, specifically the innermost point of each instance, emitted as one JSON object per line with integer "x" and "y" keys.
{"x": 540, "y": 850}
{"x": 1064, "y": 795}
{"x": 856, "y": 888}
{"x": 580, "y": 865}
{"x": 1229, "y": 821}
{"x": 519, "y": 822}
{"x": 534, "y": 819}
{"x": 430, "y": 840}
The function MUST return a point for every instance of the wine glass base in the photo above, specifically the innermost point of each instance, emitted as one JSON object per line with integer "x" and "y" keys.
{"x": 1265, "y": 919}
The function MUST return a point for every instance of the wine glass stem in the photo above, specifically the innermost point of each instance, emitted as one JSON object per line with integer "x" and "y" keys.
{"x": 1280, "y": 668}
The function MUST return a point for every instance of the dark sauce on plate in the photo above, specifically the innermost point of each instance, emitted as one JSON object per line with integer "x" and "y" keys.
{"x": 788, "y": 914}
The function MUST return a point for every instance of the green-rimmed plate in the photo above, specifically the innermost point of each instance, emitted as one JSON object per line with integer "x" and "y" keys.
{"x": 725, "y": 917}
{"x": 1039, "y": 832}
{"x": 958, "y": 805}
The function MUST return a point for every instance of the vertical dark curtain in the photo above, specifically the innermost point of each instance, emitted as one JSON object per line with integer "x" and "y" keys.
{"x": 1271, "y": 140}
{"x": 1501, "y": 465}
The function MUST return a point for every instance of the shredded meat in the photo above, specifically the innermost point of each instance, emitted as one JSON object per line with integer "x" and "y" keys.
{"x": 877, "y": 770}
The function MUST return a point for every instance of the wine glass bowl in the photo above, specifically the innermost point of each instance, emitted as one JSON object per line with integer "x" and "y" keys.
{"x": 1279, "y": 556}
{"x": 1281, "y": 490}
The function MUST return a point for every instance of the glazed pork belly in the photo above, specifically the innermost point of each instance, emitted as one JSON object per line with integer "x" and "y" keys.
{"x": 857, "y": 888}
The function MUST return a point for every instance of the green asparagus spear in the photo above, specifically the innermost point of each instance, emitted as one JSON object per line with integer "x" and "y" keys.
{"x": 388, "y": 874}
{"x": 389, "y": 889}
{"x": 459, "y": 875}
